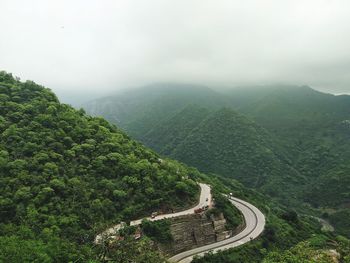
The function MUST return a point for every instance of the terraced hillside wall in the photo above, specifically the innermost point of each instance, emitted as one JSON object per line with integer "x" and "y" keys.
{"x": 193, "y": 231}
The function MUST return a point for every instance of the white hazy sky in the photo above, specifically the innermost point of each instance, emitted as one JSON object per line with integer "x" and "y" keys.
{"x": 97, "y": 46}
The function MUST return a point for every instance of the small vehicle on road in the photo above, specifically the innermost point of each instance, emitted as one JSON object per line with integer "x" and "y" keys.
{"x": 198, "y": 210}
{"x": 154, "y": 214}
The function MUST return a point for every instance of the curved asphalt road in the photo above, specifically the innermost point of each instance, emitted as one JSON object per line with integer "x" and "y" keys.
{"x": 204, "y": 196}
{"x": 204, "y": 199}
{"x": 255, "y": 223}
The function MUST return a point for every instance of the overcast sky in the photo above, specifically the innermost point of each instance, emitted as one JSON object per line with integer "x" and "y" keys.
{"x": 97, "y": 46}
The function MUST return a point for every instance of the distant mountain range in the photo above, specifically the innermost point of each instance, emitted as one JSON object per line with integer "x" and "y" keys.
{"x": 66, "y": 176}
{"x": 291, "y": 142}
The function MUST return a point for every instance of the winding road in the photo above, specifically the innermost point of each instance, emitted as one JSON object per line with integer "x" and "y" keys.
{"x": 254, "y": 226}
{"x": 253, "y": 217}
{"x": 204, "y": 199}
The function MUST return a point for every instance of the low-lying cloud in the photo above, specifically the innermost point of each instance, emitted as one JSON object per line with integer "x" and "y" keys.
{"x": 98, "y": 46}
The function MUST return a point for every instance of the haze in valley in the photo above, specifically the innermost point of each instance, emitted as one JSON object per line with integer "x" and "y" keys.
{"x": 86, "y": 49}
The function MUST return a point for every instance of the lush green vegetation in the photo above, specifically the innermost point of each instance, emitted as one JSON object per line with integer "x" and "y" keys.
{"x": 222, "y": 205}
{"x": 167, "y": 135}
{"x": 340, "y": 220}
{"x": 285, "y": 231}
{"x": 292, "y": 143}
{"x": 229, "y": 144}
{"x": 130, "y": 250}
{"x": 317, "y": 249}
{"x": 157, "y": 230}
{"x": 139, "y": 111}
{"x": 314, "y": 127}
{"x": 65, "y": 176}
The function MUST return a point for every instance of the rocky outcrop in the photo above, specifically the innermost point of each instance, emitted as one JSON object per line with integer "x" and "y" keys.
{"x": 193, "y": 231}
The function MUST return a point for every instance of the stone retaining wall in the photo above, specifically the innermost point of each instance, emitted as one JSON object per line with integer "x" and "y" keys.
{"x": 193, "y": 231}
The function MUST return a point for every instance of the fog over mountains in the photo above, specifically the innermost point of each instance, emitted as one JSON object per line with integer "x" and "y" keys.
{"x": 123, "y": 44}
{"x": 290, "y": 142}
{"x": 157, "y": 131}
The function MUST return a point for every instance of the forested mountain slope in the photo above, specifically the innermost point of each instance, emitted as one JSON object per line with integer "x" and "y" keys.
{"x": 289, "y": 105}
{"x": 65, "y": 175}
{"x": 139, "y": 110}
{"x": 322, "y": 166}
{"x": 229, "y": 144}
{"x": 170, "y": 133}
{"x": 315, "y": 128}
{"x": 312, "y": 125}
{"x": 288, "y": 236}
{"x": 308, "y": 131}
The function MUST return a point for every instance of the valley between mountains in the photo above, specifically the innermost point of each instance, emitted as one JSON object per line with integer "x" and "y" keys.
{"x": 66, "y": 176}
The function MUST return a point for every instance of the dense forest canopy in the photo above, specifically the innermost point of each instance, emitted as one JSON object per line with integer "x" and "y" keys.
{"x": 66, "y": 175}
{"x": 229, "y": 144}
{"x": 292, "y": 142}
